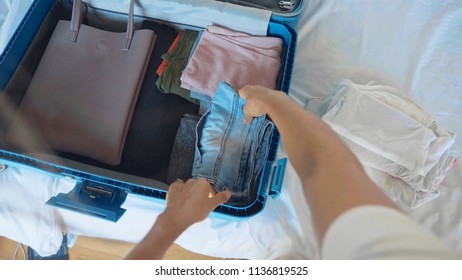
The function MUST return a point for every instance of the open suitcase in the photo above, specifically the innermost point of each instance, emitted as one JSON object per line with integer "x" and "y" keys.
{"x": 102, "y": 188}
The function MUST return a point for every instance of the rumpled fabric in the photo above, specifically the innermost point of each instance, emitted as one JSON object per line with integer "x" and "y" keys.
{"x": 391, "y": 133}
{"x": 24, "y": 216}
{"x": 236, "y": 58}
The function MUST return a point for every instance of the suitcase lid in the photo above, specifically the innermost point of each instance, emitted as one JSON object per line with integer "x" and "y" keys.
{"x": 240, "y": 15}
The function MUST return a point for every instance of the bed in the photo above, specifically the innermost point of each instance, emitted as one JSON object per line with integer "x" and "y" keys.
{"x": 414, "y": 46}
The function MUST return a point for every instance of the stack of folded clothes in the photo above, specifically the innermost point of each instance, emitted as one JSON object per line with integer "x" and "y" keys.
{"x": 175, "y": 60}
{"x": 196, "y": 62}
{"x": 236, "y": 58}
{"x": 393, "y": 136}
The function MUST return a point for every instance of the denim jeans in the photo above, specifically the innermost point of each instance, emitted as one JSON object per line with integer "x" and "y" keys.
{"x": 229, "y": 153}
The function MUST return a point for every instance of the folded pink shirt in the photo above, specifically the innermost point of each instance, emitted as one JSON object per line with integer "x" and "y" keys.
{"x": 236, "y": 58}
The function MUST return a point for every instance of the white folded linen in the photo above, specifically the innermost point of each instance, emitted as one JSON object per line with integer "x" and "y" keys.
{"x": 391, "y": 133}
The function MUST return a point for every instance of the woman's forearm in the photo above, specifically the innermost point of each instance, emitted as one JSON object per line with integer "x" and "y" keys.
{"x": 332, "y": 177}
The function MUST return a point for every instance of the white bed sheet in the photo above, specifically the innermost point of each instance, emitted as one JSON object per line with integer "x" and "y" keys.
{"x": 415, "y": 46}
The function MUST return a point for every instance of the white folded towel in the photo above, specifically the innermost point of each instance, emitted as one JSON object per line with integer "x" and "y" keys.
{"x": 390, "y": 132}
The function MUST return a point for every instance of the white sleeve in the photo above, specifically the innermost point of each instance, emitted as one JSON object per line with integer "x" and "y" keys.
{"x": 376, "y": 232}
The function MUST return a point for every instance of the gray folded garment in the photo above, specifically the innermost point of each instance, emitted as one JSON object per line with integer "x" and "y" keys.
{"x": 182, "y": 157}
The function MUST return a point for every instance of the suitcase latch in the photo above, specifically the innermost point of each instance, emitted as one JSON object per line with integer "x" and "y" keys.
{"x": 277, "y": 178}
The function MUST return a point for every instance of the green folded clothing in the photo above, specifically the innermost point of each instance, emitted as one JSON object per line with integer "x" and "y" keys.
{"x": 169, "y": 81}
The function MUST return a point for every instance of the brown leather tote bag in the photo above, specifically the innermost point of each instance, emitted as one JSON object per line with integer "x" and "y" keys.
{"x": 83, "y": 93}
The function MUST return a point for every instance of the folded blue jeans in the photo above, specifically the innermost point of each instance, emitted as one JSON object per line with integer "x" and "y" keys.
{"x": 229, "y": 153}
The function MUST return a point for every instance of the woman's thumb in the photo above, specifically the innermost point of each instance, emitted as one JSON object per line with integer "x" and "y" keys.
{"x": 221, "y": 197}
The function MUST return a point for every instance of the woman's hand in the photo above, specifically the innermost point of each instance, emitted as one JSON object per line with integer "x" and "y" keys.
{"x": 255, "y": 97}
{"x": 187, "y": 203}
{"x": 192, "y": 201}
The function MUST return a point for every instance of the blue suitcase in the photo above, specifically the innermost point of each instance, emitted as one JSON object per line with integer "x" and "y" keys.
{"x": 101, "y": 191}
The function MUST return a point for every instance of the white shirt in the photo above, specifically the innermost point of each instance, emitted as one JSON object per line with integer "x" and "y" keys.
{"x": 376, "y": 232}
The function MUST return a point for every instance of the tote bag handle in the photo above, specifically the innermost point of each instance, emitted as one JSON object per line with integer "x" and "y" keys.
{"x": 77, "y": 17}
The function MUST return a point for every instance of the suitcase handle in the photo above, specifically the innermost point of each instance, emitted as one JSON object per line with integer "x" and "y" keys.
{"x": 92, "y": 199}
{"x": 77, "y": 18}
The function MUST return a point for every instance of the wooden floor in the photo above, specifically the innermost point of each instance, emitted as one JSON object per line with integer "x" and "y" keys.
{"x": 100, "y": 249}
